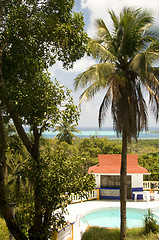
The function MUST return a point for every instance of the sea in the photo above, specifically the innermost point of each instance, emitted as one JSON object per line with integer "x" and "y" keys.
{"x": 87, "y": 132}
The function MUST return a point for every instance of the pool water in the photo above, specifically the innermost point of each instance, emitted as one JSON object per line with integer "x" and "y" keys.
{"x": 110, "y": 217}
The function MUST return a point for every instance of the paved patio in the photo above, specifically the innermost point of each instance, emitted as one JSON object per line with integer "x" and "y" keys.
{"x": 77, "y": 210}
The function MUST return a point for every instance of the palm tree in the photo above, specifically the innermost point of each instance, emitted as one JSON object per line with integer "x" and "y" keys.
{"x": 125, "y": 72}
{"x": 66, "y": 130}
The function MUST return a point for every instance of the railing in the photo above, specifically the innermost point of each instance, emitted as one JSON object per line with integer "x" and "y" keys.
{"x": 147, "y": 185}
{"x": 94, "y": 194}
{"x": 78, "y": 220}
{"x": 90, "y": 195}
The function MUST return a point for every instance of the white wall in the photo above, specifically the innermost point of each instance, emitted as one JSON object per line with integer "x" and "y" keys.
{"x": 97, "y": 176}
{"x": 137, "y": 180}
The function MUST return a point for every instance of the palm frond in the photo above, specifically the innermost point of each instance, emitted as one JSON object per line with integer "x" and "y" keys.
{"x": 104, "y": 107}
{"x": 96, "y": 73}
{"x": 90, "y": 91}
{"x": 153, "y": 88}
{"x": 142, "y": 110}
{"x": 102, "y": 30}
{"x": 73, "y": 128}
{"x": 155, "y": 71}
{"x": 134, "y": 24}
{"x": 152, "y": 52}
{"x": 144, "y": 18}
{"x": 101, "y": 52}
{"x": 115, "y": 20}
{"x": 139, "y": 64}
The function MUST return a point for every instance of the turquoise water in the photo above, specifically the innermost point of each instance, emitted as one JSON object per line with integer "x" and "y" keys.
{"x": 153, "y": 133}
{"x": 110, "y": 217}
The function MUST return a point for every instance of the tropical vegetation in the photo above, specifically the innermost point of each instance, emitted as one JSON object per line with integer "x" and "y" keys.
{"x": 126, "y": 55}
{"x": 35, "y": 175}
{"x": 83, "y": 153}
{"x": 62, "y": 171}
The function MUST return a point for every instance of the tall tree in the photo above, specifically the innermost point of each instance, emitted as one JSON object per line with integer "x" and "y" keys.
{"x": 125, "y": 71}
{"x": 39, "y": 110}
{"x": 34, "y": 34}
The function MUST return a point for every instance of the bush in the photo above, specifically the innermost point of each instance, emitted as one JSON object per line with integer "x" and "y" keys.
{"x": 150, "y": 224}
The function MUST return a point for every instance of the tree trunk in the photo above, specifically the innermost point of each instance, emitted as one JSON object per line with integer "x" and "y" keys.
{"x": 4, "y": 207}
{"x": 123, "y": 186}
{"x": 38, "y": 230}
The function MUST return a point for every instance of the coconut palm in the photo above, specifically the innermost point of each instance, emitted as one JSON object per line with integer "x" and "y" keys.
{"x": 125, "y": 72}
{"x": 66, "y": 130}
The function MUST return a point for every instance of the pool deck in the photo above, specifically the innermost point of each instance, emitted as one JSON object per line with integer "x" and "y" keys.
{"x": 77, "y": 210}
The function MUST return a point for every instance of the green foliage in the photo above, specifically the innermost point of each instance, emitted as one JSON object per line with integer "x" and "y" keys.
{"x": 43, "y": 33}
{"x": 42, "y": 102}
{"x": 4, "y": 233}
{"x": 34, "y": 35}
{"x": 66, "y": 170}
{"x": 148, "y": 156}
{"x": 61, "y": 171}
{"x": 24, "y": 209}
{"x": 91, "y": 147}
{"x": 99, "y": 146}
{"x": 150, "y": 162}
{"x": 150, "y": 223}
{"x": 143, "y": 146}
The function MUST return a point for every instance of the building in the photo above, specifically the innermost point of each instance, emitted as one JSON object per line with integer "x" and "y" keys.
{"x": 107, "y": 174}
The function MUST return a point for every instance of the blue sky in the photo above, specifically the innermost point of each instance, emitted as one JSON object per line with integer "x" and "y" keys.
{"x": 94, "y": 9}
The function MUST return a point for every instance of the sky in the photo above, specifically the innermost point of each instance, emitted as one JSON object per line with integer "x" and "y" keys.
{"x": 92, "y": 10}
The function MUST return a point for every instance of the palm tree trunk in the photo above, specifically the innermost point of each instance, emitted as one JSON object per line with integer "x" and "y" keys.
{"x": 123, "y": 186}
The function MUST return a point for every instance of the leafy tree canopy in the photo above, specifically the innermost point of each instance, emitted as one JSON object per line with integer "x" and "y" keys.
{"x": 150, "y": 162}
{"x": 36, "y": 33}
{"x": 42, "y": 102}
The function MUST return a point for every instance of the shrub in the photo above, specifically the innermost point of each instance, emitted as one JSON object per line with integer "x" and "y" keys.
{"x": 150, "y": 223}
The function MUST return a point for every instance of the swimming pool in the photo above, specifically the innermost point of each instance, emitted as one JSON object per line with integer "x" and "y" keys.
{"x": 110, "y": 217}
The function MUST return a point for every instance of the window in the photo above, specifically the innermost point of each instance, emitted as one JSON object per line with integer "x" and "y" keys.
{"x": 113, "y": 181}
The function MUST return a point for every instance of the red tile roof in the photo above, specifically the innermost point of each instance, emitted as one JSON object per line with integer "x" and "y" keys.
{"x": 110, "y": 164}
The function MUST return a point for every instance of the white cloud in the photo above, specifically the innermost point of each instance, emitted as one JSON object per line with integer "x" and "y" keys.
{"x": 82, "y": 64}
{"x": 99, "y": 9}
{"x": 79, "y": 66}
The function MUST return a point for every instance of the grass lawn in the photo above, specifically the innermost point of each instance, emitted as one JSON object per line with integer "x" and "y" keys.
{"x": 4, "y": 233}
{"x": 95, "y": 233}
